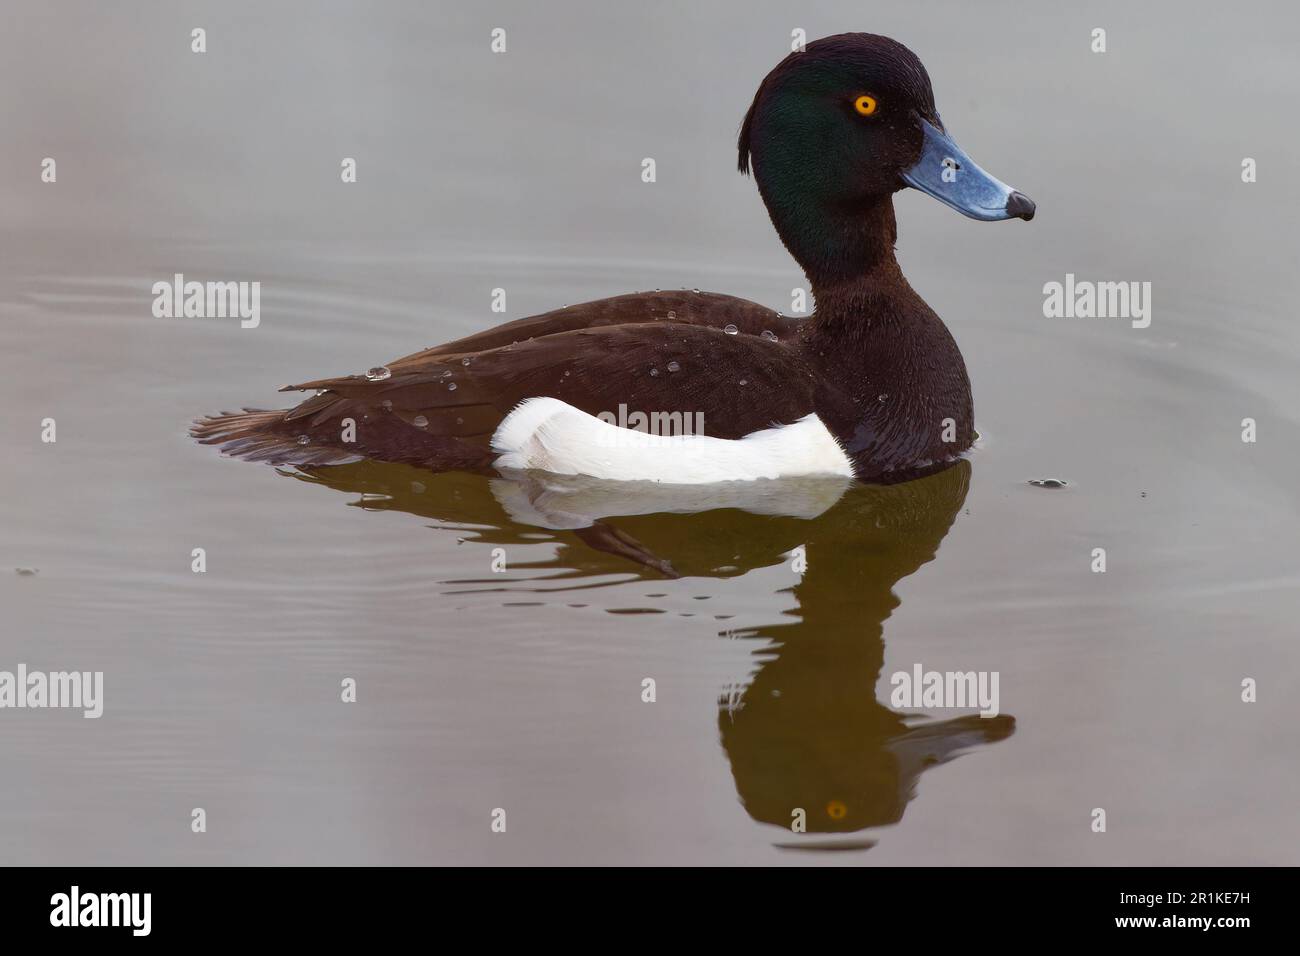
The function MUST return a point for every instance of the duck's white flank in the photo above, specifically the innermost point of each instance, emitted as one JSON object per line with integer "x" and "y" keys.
{"x": 551, "y": 435}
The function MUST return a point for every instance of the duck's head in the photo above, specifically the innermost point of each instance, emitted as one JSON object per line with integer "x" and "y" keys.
{"x": 834, "y": 131}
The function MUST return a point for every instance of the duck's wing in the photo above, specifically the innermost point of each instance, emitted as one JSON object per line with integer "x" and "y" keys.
{"x": 738, "y": 383}
{"x": 681, "y": 307}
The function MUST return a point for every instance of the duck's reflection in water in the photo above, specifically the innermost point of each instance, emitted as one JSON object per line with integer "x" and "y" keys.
{"x": 806, "y": 736}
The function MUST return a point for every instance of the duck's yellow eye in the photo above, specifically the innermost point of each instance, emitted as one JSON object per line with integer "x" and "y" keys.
{"x": 836, "y": 809}
{"x": 865, "y": 105}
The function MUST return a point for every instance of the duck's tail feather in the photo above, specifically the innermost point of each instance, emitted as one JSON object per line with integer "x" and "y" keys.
{"x": 259, "y": 434}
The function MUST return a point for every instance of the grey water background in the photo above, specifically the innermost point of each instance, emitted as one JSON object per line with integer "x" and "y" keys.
{"x": 522, "y": 691}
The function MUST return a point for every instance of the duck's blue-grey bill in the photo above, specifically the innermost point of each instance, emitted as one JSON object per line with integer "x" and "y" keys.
{"x": 945, "y": 172}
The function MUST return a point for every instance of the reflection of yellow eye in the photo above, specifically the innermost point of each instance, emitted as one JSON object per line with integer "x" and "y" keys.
{"x": 865, "y": 105}
{"x": 835, "y": 809}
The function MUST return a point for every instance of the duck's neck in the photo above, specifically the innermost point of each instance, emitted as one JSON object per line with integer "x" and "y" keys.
{"x": 848, "y": 256}
{"x": 837, "y": 245}
{"x": 856, "y": 281}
